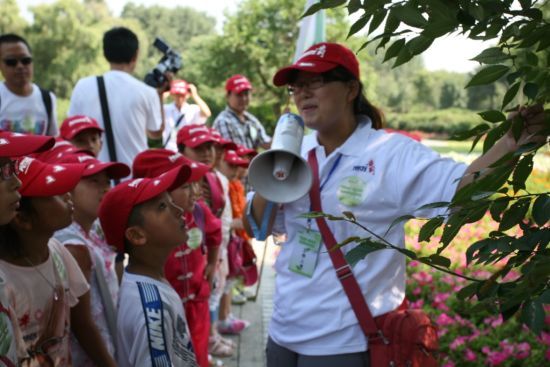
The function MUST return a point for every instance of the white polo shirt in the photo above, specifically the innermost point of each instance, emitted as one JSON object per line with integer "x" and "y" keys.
{"x": 379, "y": 178}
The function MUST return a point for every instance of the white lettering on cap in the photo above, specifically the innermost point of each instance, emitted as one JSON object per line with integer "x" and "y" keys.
{"x": 58, "y": 169}
{"x": 174, "y": 157}
{"x": 80, "y": 121}
{"x": 49, "y": 179}
{"x": 306, "y": 64}
{"x": 4, "y": 142}
{"x": 156, "y": 182}
{"x": 24, "y": 164}
{"x": 135, "y": 183}
{"x": 319, "y": 51}
{"x": 198, "y": 129}
{"x": 84, "y": 158}
{"x": 240, "y": 81}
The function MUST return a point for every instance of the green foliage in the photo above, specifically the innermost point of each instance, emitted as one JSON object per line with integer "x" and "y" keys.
{"x": 10, "y": 19}
{"x": 516, "y": 67}
{"x": 447, "y": 122}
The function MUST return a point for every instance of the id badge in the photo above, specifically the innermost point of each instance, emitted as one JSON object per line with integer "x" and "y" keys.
{"x": 305, "y": 255}
{"x": 195, "y": 238}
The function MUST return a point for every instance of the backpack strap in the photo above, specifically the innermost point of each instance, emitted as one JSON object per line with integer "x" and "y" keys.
{"x": 198, "y": 216}
{"x": 107, "y": 121}
{"x": 216, "y": 193}
{"x": 47, "y": 99}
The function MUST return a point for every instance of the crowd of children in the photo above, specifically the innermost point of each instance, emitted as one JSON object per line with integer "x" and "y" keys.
{"x": 135, "y": 274}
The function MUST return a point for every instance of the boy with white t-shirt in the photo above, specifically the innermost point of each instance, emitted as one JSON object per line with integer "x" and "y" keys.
{"x": 140, "y": 218}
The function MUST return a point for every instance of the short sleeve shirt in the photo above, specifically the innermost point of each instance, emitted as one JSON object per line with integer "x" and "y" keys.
{"x": 27, "y": 114}
{"x": 175, "y": 118}
{"x": 249, "y": 133}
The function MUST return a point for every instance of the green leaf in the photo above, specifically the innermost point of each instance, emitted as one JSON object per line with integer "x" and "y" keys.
{"x": 438, "y": 204}
{"x": 495, "y": 134}
{"x": 359, "y": 24}
{"x": 377, "y": 19}
{"x": 477, "y": 130}
{"x": 493, "y": 55}
{"x": 394, "y": 49}
{"x": 483, "y": 195}
{"x": 402, "y": 218}
{"x": 492, "y": 116}
{"x": 350, "y": 216}
{"x": 541, "y": 210}
{"x": 419, "y": 44}
{"x": 439, "y": 260}
{"x": 532, "y": 59}
{"x": 353, "y": 6}
{"x": 347, "y": 241}
{"x": 403, "y": 56}
{"x": 531, "y": 90}
{"x": 312, "y": 9}
{"x": 522, "y": 171}
{"x": 532, "y": 315}
{"x": 488, "y": 75}
{"x": 428, "y": 229}
{"x": 517, "y": 127}
{"x": 359, "y": 252}
{"x": 392, "y": 22}
{"x": 515, "y": 214}
{"x": 323, "y": 4}
{"x": 312, "y": 215}
{"x": 451, "y": 228}
{"x": 409, "y": 15}
{"x": 439, "y": 27}
{"x": 510, "y": 94}
{"x": 468, "y": 291}
{"x": 497, "y": 207}
{"x": 545, "y": 297}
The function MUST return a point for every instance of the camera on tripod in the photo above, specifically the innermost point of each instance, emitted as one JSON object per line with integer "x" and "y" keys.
{"x": 170, "y": 62}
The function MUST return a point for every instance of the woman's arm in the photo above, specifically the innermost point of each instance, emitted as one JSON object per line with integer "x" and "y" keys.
{"x": 533, "y": 123}
{"x": 256, "y": 209}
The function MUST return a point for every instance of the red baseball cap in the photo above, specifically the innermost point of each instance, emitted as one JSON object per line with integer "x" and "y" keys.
{"x": 60, "y": 148}
{"x": 179, "y": 87}
{"x": 231, "y": 157}
{"x": 117, "y": 204}
{"x": 153, "y": 162}
{"x": 242, "y": 151}
{"x": 74, "y": 125}
{"x": 16, "y": 144}
{"x": 237, "y": 83}
{"x": 320, "y": 58}
{"x": 114, "y": 170}
{"x": 44, "y": 179}
{"x": 194, "y": 135}
{"x": 226, "y": 144}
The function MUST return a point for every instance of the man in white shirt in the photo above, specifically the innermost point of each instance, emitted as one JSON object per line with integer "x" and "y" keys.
{"x": 134, "y": 107}
{"x": 180, "y": 113}
{"x": 24, "y": 106}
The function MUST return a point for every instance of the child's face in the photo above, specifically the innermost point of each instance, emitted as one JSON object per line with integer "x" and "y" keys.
{"x": 203, "y": 153}
{"x": 241, "y": 172}
{"x": 89, "y": 140}
{"x": 9, "y": 197}
{"x": 227, "y": 169}
{"x": 88, "y": 193}
{"x": 52, "y": 213}
{"x": 186, "y": 195}
{"x": 163, "y": 222}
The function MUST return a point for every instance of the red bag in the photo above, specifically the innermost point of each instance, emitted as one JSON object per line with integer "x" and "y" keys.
{"x": 242, "y": 260}
{"x": 409, "y": 340}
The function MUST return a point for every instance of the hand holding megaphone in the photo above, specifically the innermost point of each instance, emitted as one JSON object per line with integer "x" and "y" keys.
{"x": 281, "y": 174}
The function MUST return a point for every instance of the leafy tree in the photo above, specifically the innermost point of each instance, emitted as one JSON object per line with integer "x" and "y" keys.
{"x": 521, "y": 59}
{"x": 10, "y": 18}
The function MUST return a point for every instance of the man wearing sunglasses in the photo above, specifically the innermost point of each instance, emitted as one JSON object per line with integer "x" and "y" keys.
{"x": 24, "y": 106}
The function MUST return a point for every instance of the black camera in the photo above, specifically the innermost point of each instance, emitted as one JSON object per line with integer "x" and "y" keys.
{"x": 171, "y": 61}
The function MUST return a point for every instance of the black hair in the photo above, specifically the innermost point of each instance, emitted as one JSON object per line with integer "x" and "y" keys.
{"x": 181, "y": 147}
{"x": 134, "y": 219}
{"x": 120, "y": 45}
{"x": 13, "y": 38}
{"x": 9, "y": 239}
{"x": 361, "y": 105}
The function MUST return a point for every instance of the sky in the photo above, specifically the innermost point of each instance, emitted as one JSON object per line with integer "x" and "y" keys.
{"x": 451, "y": 53}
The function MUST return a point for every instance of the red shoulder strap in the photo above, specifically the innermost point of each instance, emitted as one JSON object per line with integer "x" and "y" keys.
{"x": 343, "y": 270}
{"x": 216, "y": 193}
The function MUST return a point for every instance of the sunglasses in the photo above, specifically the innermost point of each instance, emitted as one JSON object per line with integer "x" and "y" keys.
{"x": 7, "y": 170}
{"x": 13, "y": 62}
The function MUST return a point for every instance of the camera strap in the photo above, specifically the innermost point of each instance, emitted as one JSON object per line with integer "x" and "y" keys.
{"x": 180, "y": 119}
{"x": 107, "y": 121}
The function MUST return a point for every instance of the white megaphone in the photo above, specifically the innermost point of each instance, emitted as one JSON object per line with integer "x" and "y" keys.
{"x": 280, "y": 174}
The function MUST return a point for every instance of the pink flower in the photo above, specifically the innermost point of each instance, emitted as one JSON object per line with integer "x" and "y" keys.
{"x": 496, "y": 358}
{"x": 449, "y": 364}
{"x": 417, "y": 304}
{"x": 523, "y": 350}
{"x": 470, "y": 355}
{"x": 444, "y": 320}
{"x": 547, "y": 354}
{"x": 422, "y": 277}
{"x": 417, "y": 291}
{"x": 457, "y": 342}
{"x": 545, "y": 338}
{"x": 413, "y": 263}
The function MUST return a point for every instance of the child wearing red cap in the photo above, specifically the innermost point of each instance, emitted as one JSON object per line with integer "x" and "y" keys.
{"x": 140, "y": 218}
{"x": 187, "y": 269}
{"x": 95, "y": 258}
{"x": 83, "y": 132}
{"x": 46, "y": 283}
{"x": 12, "y": 145}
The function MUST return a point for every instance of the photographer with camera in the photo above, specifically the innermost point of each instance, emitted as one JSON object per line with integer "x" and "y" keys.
{"x": 129, "y": 110}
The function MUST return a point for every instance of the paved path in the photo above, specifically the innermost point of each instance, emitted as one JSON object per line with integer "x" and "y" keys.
{"x": 252, "y": 341}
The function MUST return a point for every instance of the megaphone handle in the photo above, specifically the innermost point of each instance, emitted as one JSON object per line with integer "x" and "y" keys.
{"x": 259, "y": 233}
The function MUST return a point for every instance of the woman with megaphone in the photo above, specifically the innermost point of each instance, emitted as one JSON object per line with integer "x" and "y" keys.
{"x": 323, "y": 309}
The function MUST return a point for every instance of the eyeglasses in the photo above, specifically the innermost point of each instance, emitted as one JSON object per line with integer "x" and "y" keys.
{"x": 12, "y": 62}
{"x": 309, "y": 84}
{"x": 7, "y": 170}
